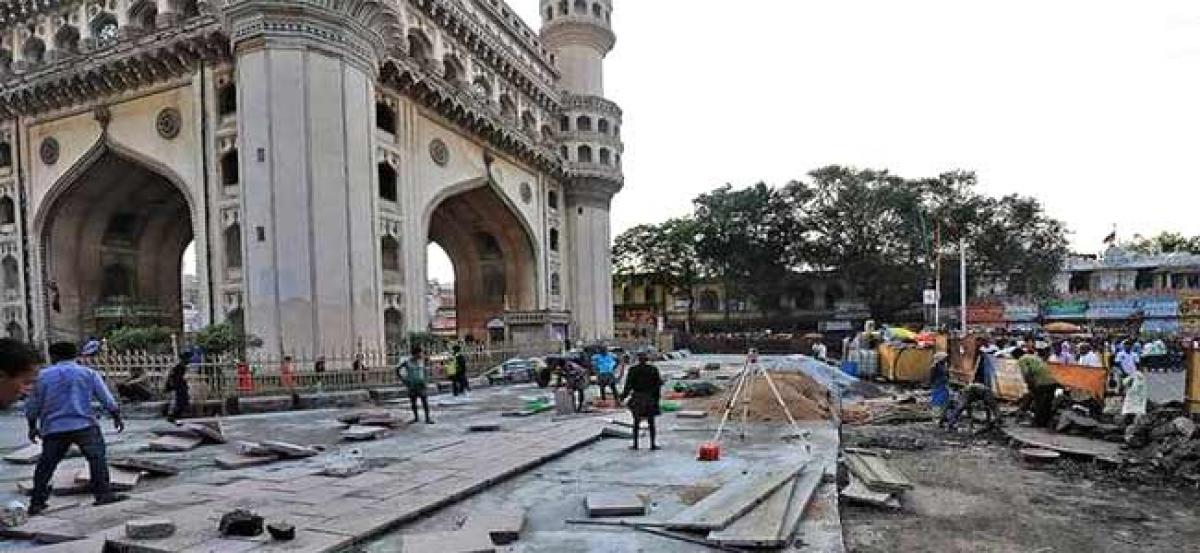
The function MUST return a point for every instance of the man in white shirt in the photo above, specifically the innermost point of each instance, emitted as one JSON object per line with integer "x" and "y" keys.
{"x": 1088, "y": 357}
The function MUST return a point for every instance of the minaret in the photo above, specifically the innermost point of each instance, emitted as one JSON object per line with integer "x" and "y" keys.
{"x": 579, "y": 35}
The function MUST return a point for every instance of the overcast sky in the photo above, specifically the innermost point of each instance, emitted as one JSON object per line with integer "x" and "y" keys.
{"x": 1092, "y": 106}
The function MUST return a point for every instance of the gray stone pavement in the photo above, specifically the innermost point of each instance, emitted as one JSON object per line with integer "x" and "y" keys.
{"x": 425, "y": 478}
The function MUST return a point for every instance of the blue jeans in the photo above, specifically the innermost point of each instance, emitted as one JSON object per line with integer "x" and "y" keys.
{"x": 54, "y": 448}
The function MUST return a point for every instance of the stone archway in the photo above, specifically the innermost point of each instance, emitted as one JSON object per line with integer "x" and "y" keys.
{"x": 114, "y": 233}
{"x": 495, "y": 263}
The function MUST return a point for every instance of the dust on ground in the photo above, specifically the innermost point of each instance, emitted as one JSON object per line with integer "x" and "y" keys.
{"x": 805, "y": 398}
{"x": 976, "y": 495}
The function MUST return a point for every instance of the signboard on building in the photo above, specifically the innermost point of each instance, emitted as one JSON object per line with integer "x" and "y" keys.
{"x": 930, "y": 297}
{"x": 1160, "y": 307}
{"x": 985, "y": 313}
{"x": 1065, "y": 309}
{"x": 835, "y": 326}
{"x": 1020, "y": 312}
{"x": 1112, "y": 309}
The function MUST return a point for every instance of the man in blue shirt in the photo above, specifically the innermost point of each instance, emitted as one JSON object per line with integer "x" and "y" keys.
{"x": 59, "y": 410}
{"x": 606, "y": 372}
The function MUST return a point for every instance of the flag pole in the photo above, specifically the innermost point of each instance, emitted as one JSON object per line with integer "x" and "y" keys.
{"x": 962, "y": 282}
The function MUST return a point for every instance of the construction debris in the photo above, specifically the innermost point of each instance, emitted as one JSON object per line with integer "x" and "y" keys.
{"x": 234, "y": 461}
{"x": 860, "y": 493}
{"x": 773, "y": 522}
{"x": 281, "y": 531}
{"x": 691, "y": 414}
{"x": 504, "y": 525}
{"x": 289, "y": 451}
{"x": 241, "y": 523}
{"x": 120, "y": 480}
{"x": 876, "y": 473}
{"x": 614, "y": 504}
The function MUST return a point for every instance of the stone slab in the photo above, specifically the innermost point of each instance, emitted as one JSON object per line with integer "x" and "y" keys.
{"x": 733, "y": 500}
{"x": 149, "y": 466}
{"x": 253, "y": 449}
{"x": 211, "y": 432}
{"x": 290, "y": 451}
{"x": 363, "y": 433}
{"x": 461, "y": 541}
{"x": 504, "y": 525}
{"x": 62, "y": 483}
{"x": 176, "y": 430}
{"x": 121, "y": 480}
{"x": 234, "y": 461}
{"x": 691, "y": 414}
{"x": 27, "y": 455}
{"x": 484, "y": 427}
{"x": 174, "y": 444}
{"x": 614, "y": 504}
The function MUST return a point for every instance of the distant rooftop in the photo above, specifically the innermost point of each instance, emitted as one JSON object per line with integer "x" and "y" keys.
{"x": 1119, "y": 258}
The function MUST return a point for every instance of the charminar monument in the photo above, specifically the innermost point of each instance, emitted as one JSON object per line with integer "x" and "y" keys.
{"x": 308, "y": 151}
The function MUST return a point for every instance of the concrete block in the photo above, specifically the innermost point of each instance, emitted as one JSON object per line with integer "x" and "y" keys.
{"x": 462, "y": 541}
{"x": 484, "y": 427}
{"x": 149, "y": 529}
{"x": 691, "y": 414}
{"x": 211, "y": 432}
{"x": 253, "y": 449}
{"x": 614, "y": 504}
{"x": 179, "y": 431}
{"x": 174, "y": 444}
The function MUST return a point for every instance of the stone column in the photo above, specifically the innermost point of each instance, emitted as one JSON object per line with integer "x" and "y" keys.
{"x": 304, "y": 127}
{"x": 590, "y": 258}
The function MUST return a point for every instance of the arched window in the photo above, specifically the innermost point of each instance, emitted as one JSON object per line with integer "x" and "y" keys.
{"x": 553, "y": 239}
{"x": 393, "y": 327}
{"x": 227, "y": 99}
{"x": 34, "y": 50}
{"x": 5, "y": 154}
{"x": 602, "y": 126}
{"x": 14, "y": 331}
{"x": 144, "y": 14}
{"x": 550, "y": 13}
{"x": 585, "y": 154}
{"x": 229, "y": 168}
{"x": 583, "y": 124}
{"x": 12, "y": 273}
{"x": 385, "y": 118}
{"x": 547, "y": 133}
{"x": 597, "y": 11}
{"x": 581, "y": 7}
{"x": 564, "y": 153}
{"x": 616, "y": 130}
{"x": 104, "y": 28}
{"x": 453, "y": 70}
{"x": 189, "y": 8}
{"x": 552, "y": 199}
{"x": 806, "y": 299}
{"x": 233, "y": 246}
{"x": 489, "y": 248}
{"x": 67, "y": 39}
{"x": 508, "y": 108}
{"x": 618, "y": 156}
{"x": 709, "y": 301}
{"x": 419, "y": 47}
{"x": 8, "y": 211}
{"x": 389, "y": 248}
{"x": 237, "y": 319}
{"x": 563, "y": 8}
{"x": 564, "y": 124}
{"x": 118, "y": 282}
{"x": 528, "y": 122}
{"x": 627, "y": 295}
{"x": 555, "y": 284}
{"x": 387, "y": 182}
{"x": 605, "y": 157}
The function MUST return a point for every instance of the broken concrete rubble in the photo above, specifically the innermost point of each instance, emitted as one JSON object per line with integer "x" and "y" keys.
{"x": 149, "y": 529}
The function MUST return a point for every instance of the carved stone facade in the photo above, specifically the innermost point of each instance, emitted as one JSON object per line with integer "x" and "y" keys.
{"x": 309, "y": 151}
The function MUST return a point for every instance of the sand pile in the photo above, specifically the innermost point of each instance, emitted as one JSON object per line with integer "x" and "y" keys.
{"x": 805, "y": 397}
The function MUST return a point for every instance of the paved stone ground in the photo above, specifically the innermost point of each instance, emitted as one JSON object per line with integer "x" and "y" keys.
{"x": 418, "y": 468}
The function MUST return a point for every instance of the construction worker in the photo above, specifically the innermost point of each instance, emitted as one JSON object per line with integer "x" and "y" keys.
{"x": 643, "y": 389}
{"x": 1042, "y": 388}
{"x": 606, "y": 372}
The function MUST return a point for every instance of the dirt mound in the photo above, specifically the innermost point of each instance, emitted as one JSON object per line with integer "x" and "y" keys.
{"x": 806, "y": 400}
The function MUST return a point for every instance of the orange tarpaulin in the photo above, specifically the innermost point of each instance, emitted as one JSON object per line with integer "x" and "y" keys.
{"x": 1079, "y": 377}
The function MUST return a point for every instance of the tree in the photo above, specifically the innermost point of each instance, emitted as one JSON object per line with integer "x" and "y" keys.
{"x": 221, "y": 338}
{"x": 153, "y": 339}
{"x": 1016, "y": 238}
{"x": 1164, "y": 243}
{"x": 744, "y": 238}
{"x": 666, "y": 255}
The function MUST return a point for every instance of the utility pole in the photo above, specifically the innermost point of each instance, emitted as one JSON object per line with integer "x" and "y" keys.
{"x": 937, "y": 275}
{"x": 962, "y": 282}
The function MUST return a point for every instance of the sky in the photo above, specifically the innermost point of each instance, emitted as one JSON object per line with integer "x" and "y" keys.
{"x": 1091, "y": 106}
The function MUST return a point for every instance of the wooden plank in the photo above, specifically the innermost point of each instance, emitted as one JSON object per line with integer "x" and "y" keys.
{"x": 733, "y": 500}
{"x": 877, "y": 474}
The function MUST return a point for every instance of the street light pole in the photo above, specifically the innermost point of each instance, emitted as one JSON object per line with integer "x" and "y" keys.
{"x": 962, "y": 282}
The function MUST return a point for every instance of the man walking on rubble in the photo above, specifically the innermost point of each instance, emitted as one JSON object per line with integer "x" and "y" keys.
{"x": 643, "y": 387}
{"x": 59, "y": 410}
{"x": 414, "y": 373}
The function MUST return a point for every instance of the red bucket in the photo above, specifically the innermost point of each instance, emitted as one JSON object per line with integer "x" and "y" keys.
{"x": 709, "y": 451}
